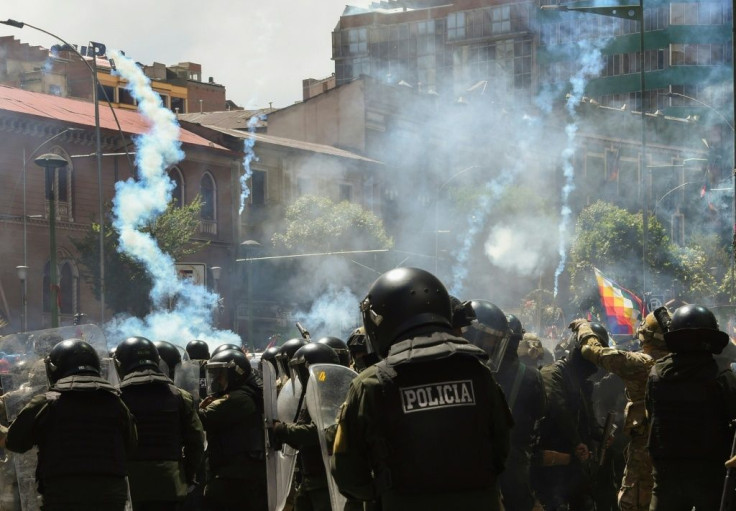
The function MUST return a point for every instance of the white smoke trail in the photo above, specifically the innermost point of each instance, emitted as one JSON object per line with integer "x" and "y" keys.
{"x": 137, "y": 202}
{"x": 334, "y": 313}
{"x": 250, "y": 156}
{"x": 591, "y": 65}
{"x": 493, "y": 190}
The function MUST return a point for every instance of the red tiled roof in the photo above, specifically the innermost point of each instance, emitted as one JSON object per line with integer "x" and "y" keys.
{"x": 82, "y": 113}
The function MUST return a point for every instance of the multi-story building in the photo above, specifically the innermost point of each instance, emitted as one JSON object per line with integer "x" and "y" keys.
{"x": 33, "y": 123}
{"x": 61, "y": 72}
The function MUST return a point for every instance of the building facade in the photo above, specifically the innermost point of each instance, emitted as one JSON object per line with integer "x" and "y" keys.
{"x": 33, "y": 124}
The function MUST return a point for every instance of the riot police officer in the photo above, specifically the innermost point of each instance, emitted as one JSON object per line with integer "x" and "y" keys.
{"x": 170, "y": 357}
{"x": 428, "y": 426}
{"x": 170, "y": 434}
{"x": 525, "y": 395}
{"x": 232, "y": 416}
{"x": 339, "y": 347}
{"x": 357, "y": 344}
{"x": 312, "y": 493}
{"x": 690, "y": 403}
{"x": 85, "y": 471}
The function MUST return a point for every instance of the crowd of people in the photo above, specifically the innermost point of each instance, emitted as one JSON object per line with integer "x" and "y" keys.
{"x": 453, "y": 406}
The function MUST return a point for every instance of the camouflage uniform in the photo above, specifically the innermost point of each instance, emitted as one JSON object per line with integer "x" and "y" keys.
{"x": 633, "y": 368}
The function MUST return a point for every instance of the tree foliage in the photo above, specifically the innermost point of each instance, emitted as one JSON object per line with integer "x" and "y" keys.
{"x": 127, "y": 284}
{"x": 610, "y": 239}
{"x": 317, "y": 224}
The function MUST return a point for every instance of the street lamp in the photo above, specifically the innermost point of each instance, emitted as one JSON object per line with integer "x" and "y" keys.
{"x": 23, "y": 276}
{"x": 50, "y": 162}
{"x": 98, "y": 142}
{"x": 628, "y": 12}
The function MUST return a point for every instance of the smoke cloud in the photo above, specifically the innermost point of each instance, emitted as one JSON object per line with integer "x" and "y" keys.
{"x": 181, "y": 311}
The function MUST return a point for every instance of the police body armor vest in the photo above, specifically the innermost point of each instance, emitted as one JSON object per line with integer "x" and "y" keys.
{"x": 435, "y": 417}
{"x": 241, "y": 441}
{"x": 82, "y": 435}
{"x": 156, "y": 407}
{"x": 688, "y": 419}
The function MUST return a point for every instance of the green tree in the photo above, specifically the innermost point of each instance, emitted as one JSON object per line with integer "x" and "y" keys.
{"x": 610, "y": 238}
{"x": 317, "y": 224}
{"x": 127, "y": 284}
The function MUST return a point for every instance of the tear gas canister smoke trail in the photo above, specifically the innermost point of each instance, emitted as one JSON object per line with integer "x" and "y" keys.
{"x": 591, "y": 64}
{"x": 138, "y": 202}
{"x": 250, "y": 156}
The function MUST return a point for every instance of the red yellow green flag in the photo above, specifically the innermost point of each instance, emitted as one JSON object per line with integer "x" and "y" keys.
{"x": 623, "y": 308}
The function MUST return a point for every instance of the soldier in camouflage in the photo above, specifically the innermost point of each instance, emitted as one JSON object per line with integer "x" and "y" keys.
{"x": 633, "y": 368}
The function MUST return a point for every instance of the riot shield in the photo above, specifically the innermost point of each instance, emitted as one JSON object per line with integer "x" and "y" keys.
{"x": 280, "y": 463}
{"x": 186, "y": 376}
{"x": 19, "y": 391}
{"x": 326, "y": 391}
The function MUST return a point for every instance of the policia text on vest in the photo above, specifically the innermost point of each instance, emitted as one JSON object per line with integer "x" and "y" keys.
{"x": 437, "y": 395}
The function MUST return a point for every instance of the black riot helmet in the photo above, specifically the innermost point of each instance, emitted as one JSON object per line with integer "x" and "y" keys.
{"x": 198, "y": 350}
{"x": 312, "y": 353}
{"x": 516, "y": 331}
{"x": 695, "y": 328}
{"x": 401, "y": 300}
{"x": 490, "y": 332}
{"x": 170, "y": 357}
{"x": 135, "y": 354}
{"x": 286, "y": 351}
{"x": 600, "y": 331}
{"x": 227, "y": 370}
{"x": 269, "y": 355}
{"x": 340, "y": 348}
{"x": 71, "y": 357}
{"x": 223, "y": 347}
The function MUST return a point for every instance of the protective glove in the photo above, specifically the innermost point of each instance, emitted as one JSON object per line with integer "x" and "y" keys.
{"x": 275, "y": 433}
{"x": 575, "y": 324}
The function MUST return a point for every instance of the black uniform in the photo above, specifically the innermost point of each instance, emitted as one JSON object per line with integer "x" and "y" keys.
{"x": 691, "y": 403}
{"x": 427, "y": 428}
{"x": 570, "y": 421}
{"x": 524, "y": 391}
{"x": 170, "y": 440}
{"x": 84, "y": 433}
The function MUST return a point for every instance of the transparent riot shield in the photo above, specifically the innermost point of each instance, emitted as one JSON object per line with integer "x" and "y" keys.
{"x": 326, "y": 391}
{"x": 280, "y": 463}
{"x": 19, "y": 390}
{"x": 186, "y": 376}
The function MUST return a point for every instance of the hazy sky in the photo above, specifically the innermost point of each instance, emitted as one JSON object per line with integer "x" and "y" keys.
{"x": 259, "y": 50}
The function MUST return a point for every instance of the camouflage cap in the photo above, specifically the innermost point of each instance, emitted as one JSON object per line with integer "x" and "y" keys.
{"x": 650, "y": 332}
{"x": 530, "y": 346}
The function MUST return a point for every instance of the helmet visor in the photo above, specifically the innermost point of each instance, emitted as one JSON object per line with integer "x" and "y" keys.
{"x": 217, "y": 377}
{"x": 490, "y": 340}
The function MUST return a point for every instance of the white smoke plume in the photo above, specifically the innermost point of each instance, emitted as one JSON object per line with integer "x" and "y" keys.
{"x": 250, "y": 156}
{"x": 182, "y": 310}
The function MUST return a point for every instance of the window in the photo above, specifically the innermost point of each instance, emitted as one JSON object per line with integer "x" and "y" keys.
{"x": 177, "y": 194}
{"x": 456, "y": 26}
{"x": 346, "y": 193}
{"x": 125, "y": 97}
{"x": 67, "y": 288}
{"x": 207, "y": 191}
{"x": 55, "y": 90}
{"x": 258, "y": 188}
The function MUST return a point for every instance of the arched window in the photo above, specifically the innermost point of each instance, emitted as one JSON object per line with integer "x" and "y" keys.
{"x": 46, "y": 288}
{"x": 207, "y": 191}
{"x": 177, "y": 194}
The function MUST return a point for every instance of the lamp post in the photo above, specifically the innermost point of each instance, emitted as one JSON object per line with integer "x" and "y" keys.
{"x": 50, "y": 162}
{"x": 98, "y": 143}
{"x": 629, "y": 12}
{"x": 23, "y": 276}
